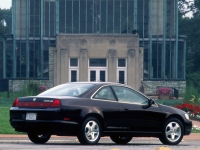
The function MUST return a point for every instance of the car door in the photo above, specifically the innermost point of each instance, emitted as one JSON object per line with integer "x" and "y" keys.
{"x": 133, "y": 117}
{"x": 106, "y": 100}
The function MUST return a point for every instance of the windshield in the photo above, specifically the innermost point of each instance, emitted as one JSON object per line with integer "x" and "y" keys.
{"x": 69, "y": 89}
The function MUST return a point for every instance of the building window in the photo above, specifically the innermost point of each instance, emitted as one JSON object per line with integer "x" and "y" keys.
{"x": 49, "y": 18}
{"x": 121, "y": 62}
{"x": 73, "y": 75}
{"x": 121, "y": 71}
{"x": 97, "y": 63}
{"x": 92, "y": 16}
{"x": 9, "y": 63}
{"x": 73, "y": 70}
{"x": 157, "y": 56}
{"x": 73, "y": 62}
{"x": 181, "y": 61}
{"x": 97, "y": 70}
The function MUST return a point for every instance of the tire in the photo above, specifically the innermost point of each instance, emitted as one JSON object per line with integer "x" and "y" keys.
{"x": 172, "y": 132}
{"x": 90, "y": 131}
{"x": 121, "y": 139}
{"x": 38, "y": 138}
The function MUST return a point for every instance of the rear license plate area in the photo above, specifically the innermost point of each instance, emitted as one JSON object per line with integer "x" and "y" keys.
{"x": 31, "y": 116}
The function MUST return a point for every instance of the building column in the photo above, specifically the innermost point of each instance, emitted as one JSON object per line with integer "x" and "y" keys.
{"x": 112, "y": 65}
{"x": 51, "y": 67}
{"x": 55, "y": 69}
{"x": 64, "y": 59}
{"x": 137, "y": 70}
{"x": 83, "y": 65}
{"x": 141, "y": 62}
{"x": 131, "y": 68}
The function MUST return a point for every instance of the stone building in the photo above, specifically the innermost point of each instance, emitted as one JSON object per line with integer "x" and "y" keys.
{"x": 126, "y": 41}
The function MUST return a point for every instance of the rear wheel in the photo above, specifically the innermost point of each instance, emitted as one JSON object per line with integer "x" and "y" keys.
{"x": 90, "y": 131}
{"x": 121, "y": 139}
{"x": 38, "y": 138}
{"x": 172, "y": 133}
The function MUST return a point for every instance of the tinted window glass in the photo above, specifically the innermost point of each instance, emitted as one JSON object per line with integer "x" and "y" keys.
{"x": 102, "y": 76}
{"x": 67, "y": 90}
{"x": 73, "y": 76}
{"x": 121, "y": 63}
{"x": 98, "y": 62}
{"x": 121, "y": 77}
{"x": 92, "y": 75}
{"x": 129, "y": 95}
{"x": 104, "y": 93}
{"x": 74, "y": 62}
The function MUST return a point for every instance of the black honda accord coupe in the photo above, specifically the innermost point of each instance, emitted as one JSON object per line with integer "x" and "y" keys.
{"x": 90, "y": 110}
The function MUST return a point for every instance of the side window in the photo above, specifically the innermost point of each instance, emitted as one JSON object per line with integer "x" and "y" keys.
{"x": 128, "y": 95}
{"x": 104, "y": 93}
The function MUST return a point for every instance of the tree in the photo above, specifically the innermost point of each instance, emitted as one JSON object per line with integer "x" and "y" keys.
{"x": 186, "y": 6}
{"x": 190, "y": 28}
{"x": 5, "y": 28}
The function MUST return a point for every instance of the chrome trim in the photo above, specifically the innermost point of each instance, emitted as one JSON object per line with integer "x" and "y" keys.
{"x": 137, "y": 104}
{"x": 113, "y": 127}
{"x": 105, "y": 100}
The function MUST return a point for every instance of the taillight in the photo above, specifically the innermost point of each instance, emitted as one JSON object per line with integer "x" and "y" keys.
{"x": 56, "y": 103}
{"x": 15, "y": 103}
{"x": 53, "y": 104}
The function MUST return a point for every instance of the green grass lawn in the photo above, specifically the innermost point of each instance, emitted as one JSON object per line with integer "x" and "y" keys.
{"x": 195, "y": 131}
{"x": 5, "y": 127}
{"x": 13, "y": 94}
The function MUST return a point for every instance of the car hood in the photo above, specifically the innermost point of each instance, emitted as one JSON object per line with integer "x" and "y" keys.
{"x": 170, "y": 110}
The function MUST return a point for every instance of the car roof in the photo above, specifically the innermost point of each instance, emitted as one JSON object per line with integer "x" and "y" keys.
{"x": 107, "y": 83}
{"x": 97, "y": 83}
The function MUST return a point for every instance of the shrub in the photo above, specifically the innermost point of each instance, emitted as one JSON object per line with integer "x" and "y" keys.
{"x": 191, "y": 95}
{"x": 193, "y": 80}
{"x": 164, "y": 90}
{"x": 172, "y": 103}
{"x": 42, "y": 88}
{"x": 192, "y": 110}
{"x": 32, "y": 88}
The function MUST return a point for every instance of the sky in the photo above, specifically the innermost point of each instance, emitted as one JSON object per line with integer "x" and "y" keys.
{"x": 7, "y": 4}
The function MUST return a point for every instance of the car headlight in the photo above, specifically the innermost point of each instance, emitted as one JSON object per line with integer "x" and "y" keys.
{"x": 187, "y": 116}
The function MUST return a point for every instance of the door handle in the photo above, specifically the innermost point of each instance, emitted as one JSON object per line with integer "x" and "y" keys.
{"x": 125, "y": 109}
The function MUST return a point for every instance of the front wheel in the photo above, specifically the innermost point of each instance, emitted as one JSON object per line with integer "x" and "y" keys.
{"x": 121, "y": 139}
{"x": 172, "y": 133}
{"x": 38, "y": 138}
{"x": 90, "y": 131}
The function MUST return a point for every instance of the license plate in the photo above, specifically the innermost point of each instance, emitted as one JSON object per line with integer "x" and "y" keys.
{"x": 31, "y": 116}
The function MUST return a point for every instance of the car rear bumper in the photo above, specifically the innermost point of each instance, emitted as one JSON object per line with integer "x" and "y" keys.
{"x": 57, "y": 127}
{"x": 47, "y": 120}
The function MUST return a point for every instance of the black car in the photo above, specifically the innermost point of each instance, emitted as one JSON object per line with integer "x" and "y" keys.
{"x": 90, "y": 110}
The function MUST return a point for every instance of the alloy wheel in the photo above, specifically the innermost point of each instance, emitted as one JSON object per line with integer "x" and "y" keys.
{"x": 92, "y": 131}
{"x": 173, "y": 131}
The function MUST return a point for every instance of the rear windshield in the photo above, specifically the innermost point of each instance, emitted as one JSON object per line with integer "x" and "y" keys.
{"x": 67, "y": 90}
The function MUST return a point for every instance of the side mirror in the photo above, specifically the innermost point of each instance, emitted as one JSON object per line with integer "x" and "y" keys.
{"x": 150, "y": 102}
